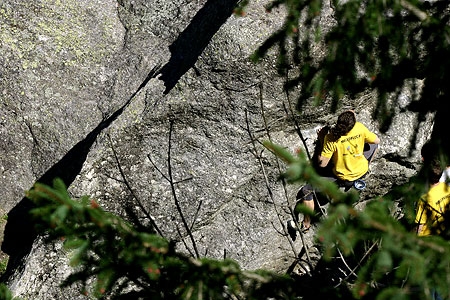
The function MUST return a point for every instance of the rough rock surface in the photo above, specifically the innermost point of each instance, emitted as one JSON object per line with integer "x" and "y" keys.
{"x": 69, "y": 70}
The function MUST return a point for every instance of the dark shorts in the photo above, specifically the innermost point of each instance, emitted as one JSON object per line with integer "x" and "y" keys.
{"x": 306, "y": 192}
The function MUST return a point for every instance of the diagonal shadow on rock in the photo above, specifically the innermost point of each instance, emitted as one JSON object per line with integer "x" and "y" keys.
{"x": 194, "y": 39}
{"x": 20, "y": 231}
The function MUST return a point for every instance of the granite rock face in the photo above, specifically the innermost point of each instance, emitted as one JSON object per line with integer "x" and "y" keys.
{"x": 83, "y": 80}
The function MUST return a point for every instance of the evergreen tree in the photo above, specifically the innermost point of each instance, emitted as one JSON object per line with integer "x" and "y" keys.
{"x": 384, "y": 46}
{"x": 381, "y": 45}
{"x": 111, "y": 258}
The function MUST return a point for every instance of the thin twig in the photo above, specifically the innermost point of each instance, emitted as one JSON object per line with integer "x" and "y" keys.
{"x": 266, "y": 180}
{"x": 174, "y": 193}
{"x": 352, "y": 271}
{"x": 127, "y": 184}
{"x": 297, "y": 126}
{"x": 345, "y": 263}
{"x": 114, "y": 178}
{"x": 196, "y": 214}
{"x": 172, "y": 184}
{"x": 414, "y": 9}
{"x": 282, "y": 233}
{"x": 302, "y": 138}
{"x": 282, "y": 179}
{"x": 157, "y": 169}
{"x": 184, "y": 242}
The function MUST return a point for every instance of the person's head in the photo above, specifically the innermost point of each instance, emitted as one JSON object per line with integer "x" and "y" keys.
{"x": 434, "y": 171}
{"x": 428, "y": 152}
{"x": 433, "y": 150}
{"x": 344, "y": 124}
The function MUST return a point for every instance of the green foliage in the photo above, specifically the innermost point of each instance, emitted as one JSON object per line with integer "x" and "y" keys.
{"x": 3, "y": 257}
{"x": 3, "y": 264}
{"x": 385, "y": 46}
{"x": 111, "y": 252}
{"x": 382, "y": 45}
{"x": 5, "y": 293}
{"x": 399, "y": 264}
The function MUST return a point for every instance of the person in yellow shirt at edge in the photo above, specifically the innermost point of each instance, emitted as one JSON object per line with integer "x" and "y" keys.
{"x": 433, "y": 205}
{"x": 350, "y": 146}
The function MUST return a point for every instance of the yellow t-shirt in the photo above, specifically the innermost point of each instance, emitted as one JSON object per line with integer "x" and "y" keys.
{"x": 347, "y": 153}
{"x": 431, "y": 207}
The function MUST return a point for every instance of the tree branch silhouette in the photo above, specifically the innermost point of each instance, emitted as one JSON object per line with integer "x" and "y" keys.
{"x": 133, "y": 194}
{"x": 169, "y": 178}
{"x": 283, "y": 181}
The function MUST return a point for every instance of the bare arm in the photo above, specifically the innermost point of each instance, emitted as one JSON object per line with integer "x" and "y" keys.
{"x": 323, "y": 161}
{"x": 321, "y": 133}
{"x": 419, "y": 228}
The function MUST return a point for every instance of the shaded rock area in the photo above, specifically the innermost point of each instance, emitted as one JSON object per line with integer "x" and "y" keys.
{"x": 90, "y": 88}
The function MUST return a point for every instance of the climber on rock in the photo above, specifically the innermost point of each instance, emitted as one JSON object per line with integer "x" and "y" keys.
{"x": 343, "y": 153}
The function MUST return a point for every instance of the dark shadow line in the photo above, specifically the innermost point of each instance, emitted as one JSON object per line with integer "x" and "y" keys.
{"x": 20, "y": 231}
{"x": 193, "y": 40}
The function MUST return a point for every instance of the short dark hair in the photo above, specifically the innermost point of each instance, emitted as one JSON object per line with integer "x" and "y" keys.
{"x": 344, "y": 124}
{"x": 434, "y": 171}
{"x": 429, "y": 152}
